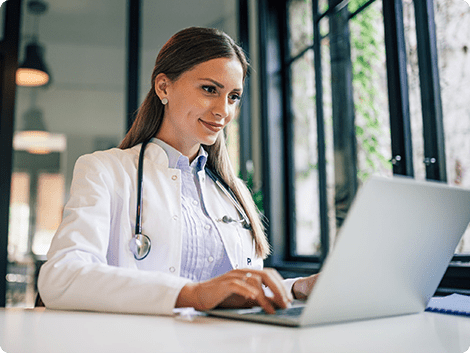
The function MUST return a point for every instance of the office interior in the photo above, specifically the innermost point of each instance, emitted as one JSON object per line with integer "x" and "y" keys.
{"x": 339, "y": 91}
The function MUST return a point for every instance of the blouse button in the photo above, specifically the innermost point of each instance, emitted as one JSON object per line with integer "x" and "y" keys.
{"x": 195, "y": 203}
{"x": 210, "y": 259}
{"x": 174, "y": 177}
{"x": 172, "y": 269}
{"x": 175, "y": 218}
{"x": 207, "y": 227}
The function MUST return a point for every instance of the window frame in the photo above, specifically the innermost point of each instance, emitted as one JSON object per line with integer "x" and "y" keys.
{"x": 9, "y": 45}
{"x": 277, "y": 142}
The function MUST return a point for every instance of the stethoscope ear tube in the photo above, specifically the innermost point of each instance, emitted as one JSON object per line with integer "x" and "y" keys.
{"x": 245, "y": 221}
{"x": 140, "y": 183}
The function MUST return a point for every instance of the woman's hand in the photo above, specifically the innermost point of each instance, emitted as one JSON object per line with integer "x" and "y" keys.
{"x": 237, "y": 288}
{"x": 303, "y": 286}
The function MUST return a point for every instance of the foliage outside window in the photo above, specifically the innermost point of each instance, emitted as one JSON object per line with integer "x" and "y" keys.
{"x": 371, "y": 102}
{"x": 303, "y": 120}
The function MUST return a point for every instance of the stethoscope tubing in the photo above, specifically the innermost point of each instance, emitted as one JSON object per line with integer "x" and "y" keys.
{"x": 140, "y": 184}
{"x": 138, "y": 238}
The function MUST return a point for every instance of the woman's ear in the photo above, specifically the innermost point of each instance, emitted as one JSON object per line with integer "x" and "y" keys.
{"x": 161, "y": 84}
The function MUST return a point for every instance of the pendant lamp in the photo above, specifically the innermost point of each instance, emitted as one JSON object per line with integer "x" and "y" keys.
{"x": 34, "y": 136}
{"x": 33, "y": 71}
{"x": 35, "y": 139}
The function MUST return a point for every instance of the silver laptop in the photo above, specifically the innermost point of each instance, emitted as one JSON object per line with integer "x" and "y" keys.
{"x": 389, "y": 258}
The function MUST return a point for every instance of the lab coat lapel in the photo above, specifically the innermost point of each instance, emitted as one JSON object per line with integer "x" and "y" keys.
{"x": 218, "y": 205}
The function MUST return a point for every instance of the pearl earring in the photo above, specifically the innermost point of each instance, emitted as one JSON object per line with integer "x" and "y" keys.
{"x": 165, "y": 101}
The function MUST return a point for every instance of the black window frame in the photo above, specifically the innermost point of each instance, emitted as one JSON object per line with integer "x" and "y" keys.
{"x": 277, "y": 145}
{"x": 8, "y": 65}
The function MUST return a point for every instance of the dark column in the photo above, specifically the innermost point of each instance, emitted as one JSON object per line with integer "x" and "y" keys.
{"x": 322, "y": 177}
{"x": 8, "y": 66}
{"x": 343, "y": 110}
{"x": 399, "y": 106}
{"x": 245, "y": 114}
{"x": 133, "y": 60}
{"x": 272, "y": 120}
{"x": 433, "y": 127}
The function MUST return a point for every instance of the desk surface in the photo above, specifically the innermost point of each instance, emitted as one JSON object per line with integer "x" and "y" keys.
{"x": 42, "y": 330}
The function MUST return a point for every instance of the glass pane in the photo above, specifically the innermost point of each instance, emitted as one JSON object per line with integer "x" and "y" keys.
{"x": 453, "y": 43}
{"x": 370, "y": 91}
{"x": 300, "y": 22}
{"x": 79, "y": 111}
{"x": 305, "y": 139}
{"x": 305, "y": 156}
{"x": 322, "y": 6}
{"x": 50, "y": 198}
{"x": 19, "y": 216}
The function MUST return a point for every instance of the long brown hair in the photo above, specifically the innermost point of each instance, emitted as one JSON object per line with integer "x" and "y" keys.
{"x": 186, "y": 49}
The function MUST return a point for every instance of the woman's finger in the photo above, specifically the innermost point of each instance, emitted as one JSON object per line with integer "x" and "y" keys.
{"x": 273, "y": 281}
{"x": 249, "y": 286}
{"x": 243, "y": 283}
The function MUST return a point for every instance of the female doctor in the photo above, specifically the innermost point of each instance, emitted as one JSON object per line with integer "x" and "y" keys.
{"x": 197, "y": 240}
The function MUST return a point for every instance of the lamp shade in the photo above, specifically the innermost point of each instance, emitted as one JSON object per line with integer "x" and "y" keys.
{"x": 33, "y": 71}
{"x": 34, "y": 137}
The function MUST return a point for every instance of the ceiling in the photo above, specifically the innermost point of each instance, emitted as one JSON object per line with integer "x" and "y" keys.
{"x": 103, "y": 22}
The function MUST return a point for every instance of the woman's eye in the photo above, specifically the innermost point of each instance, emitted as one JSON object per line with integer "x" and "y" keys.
{"x": 209, "y": 89}
{"x": 235, "y": 97}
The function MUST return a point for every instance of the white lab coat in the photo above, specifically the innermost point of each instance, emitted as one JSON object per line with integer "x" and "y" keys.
{"x": 90, "y": 266}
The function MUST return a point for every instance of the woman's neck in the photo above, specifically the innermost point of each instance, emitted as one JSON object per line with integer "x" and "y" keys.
{"x": 189, "y": 150}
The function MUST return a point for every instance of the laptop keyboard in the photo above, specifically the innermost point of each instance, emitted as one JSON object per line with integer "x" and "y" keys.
{"x": 290, "y": 312}
{"x": 293, "y": 312}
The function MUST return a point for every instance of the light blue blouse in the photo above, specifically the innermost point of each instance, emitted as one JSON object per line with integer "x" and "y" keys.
{"x": 203, "y": 252}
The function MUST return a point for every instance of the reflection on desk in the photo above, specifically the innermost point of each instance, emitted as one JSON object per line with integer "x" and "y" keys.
{"x": 42, "y": 330}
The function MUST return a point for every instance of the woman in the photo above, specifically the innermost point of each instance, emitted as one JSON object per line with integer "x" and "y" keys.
{"x": 206, "y": 244}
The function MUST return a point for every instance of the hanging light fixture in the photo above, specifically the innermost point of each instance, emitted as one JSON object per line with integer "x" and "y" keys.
{"x": 34, "y": 137}
{"x": 33, "y": 71}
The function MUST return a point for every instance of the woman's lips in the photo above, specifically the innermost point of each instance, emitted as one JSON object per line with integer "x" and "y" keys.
{"x": 212, "y": 126}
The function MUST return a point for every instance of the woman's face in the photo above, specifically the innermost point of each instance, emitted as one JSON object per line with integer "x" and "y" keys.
{"x": 201, "y": 102}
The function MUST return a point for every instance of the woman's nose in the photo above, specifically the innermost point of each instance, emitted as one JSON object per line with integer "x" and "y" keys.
{"x": 221, "y": 107}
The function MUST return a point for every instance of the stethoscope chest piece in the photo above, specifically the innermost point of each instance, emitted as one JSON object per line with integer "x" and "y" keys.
{"x": 140, "y": 246}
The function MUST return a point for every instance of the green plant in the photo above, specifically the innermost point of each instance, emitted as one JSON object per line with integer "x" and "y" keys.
{"x": 257, "y": 194}
{"x": 369, "y": 56}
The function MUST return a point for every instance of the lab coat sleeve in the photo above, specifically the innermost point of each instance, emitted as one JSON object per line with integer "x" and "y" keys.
{"x": 289, "y": 283}
{"x": 77, "y": 275}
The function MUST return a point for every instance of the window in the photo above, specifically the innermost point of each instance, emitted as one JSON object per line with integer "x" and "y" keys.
{"x": 19, "y": 215}
{"x": 453, "y": 42}
{"x": 306, "y": 228}
{"x": 394, "y": 129}
{"x": 50, "y": 201}
{"x": 84, "y": 49}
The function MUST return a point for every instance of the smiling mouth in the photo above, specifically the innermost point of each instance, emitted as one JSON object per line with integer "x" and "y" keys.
{"x": 212, "y": 126}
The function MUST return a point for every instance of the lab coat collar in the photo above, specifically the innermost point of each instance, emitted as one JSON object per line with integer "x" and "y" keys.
{"x": 153, "y": 153}
{"x": 174, "y": 156}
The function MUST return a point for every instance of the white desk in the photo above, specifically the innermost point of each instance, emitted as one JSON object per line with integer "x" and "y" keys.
{"x": 41, "y": 330}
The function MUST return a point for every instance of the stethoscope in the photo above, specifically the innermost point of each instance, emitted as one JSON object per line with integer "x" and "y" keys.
{"x": 140, "y": 243}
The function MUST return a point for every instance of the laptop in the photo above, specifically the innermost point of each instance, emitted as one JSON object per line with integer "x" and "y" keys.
{"x": 389, "y": 257}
